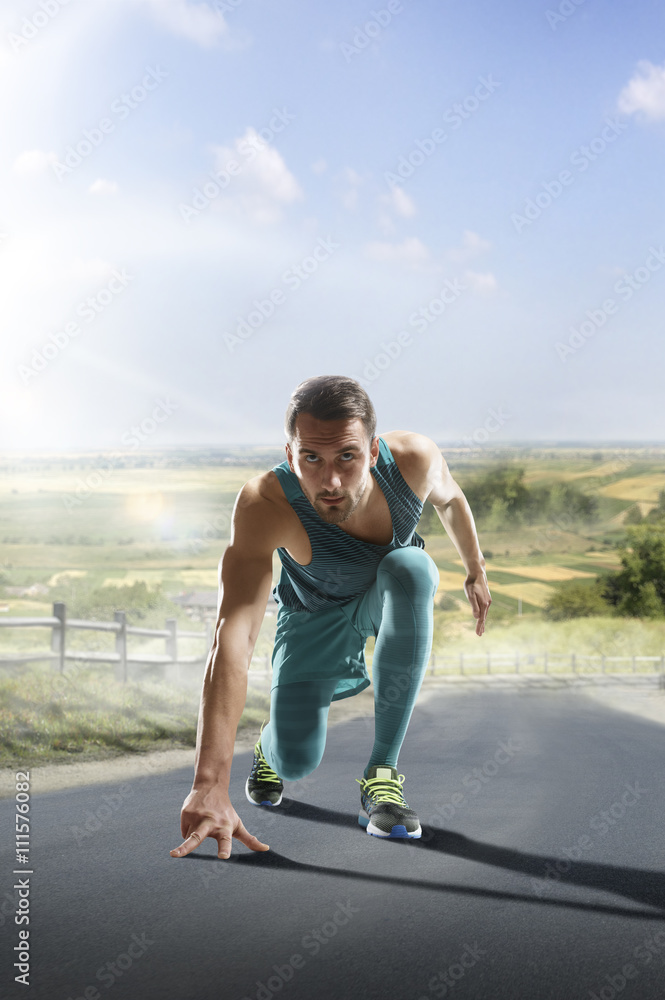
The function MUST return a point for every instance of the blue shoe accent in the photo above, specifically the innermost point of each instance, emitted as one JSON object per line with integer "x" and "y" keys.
{"x": 384, "y": 811}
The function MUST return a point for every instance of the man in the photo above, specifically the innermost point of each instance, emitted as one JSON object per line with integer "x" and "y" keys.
{"x": 341, "y": 512}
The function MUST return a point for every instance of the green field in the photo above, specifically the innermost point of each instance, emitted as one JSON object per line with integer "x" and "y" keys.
{"x": 164, "y": 520}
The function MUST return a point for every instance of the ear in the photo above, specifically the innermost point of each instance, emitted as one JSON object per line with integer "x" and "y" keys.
{"x": 289, "y": 456}
{"x": 374, "y": 452}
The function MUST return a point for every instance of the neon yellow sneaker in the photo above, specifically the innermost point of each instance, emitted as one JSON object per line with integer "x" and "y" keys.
{"x": 263, "y": 786}
{"x": 384, "y": 813}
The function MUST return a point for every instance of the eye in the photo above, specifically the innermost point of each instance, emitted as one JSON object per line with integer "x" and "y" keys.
{"x": 310, "y": 456}
{"x": 349, "y": 453}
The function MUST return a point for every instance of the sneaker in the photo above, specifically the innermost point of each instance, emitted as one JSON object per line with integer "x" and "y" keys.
{"x": 384, "y": 812}
{"x": 263, "y": 787}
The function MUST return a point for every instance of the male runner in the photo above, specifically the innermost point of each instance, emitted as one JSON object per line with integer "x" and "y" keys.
{"x": 341, "y": 512}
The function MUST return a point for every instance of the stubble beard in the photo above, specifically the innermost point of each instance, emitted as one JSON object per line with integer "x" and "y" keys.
{"x": 343, "y": 511}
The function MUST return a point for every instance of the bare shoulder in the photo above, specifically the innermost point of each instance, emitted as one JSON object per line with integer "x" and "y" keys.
{"x": 418, "y": 459}
{"x": 421, "y": 462}
{"x": 416, "y": 452}
{"x": 258, "y": 515}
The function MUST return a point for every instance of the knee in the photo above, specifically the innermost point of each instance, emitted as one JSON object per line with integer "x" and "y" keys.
{"x": 414, "y": 568}
{"x": 292, "y": 764}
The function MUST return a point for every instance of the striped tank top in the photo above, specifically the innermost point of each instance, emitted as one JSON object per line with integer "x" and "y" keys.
{"x": 343, "y": 567}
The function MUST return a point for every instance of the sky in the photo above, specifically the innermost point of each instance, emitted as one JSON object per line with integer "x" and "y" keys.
{"x": 203, "y": 204}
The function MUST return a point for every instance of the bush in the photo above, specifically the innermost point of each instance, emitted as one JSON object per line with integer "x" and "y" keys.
{"x": 577, "y": 600}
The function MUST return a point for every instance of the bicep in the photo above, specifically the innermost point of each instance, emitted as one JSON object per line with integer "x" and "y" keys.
{"x": 246, "y": 566}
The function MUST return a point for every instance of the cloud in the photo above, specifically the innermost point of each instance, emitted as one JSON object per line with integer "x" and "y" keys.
{"x": 33, "y": 162}
{"x": 320, "y": 166}
{"x": 399, "y": 202}
{"x": 197, "y": 22}
{"x": 411, "y": 251}
{"x": 353, "y": 181}
{"x": 472, "y": 245}
{"x": 644, "y": 92}
{"x": 481, "y": 284}
{"x": 263, "y": 183}
{"x": 102, "y": 187}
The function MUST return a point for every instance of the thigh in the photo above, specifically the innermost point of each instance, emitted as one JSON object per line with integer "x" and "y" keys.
{"x": 316, "y": 646}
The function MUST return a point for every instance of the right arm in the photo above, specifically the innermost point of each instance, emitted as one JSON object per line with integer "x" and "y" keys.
{"x": 246, "y": 581}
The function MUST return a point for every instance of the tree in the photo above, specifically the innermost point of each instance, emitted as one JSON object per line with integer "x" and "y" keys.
{"x": 638, "y": 590}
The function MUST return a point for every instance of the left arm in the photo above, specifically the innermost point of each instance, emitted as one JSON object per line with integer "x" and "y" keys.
{"x": 455, "y": 515}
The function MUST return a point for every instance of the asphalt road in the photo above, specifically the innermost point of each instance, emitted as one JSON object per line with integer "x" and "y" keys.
{"x": 540, "y": 873}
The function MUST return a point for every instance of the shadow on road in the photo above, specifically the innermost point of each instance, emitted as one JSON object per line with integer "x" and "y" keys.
{"x": 645, "y": 887}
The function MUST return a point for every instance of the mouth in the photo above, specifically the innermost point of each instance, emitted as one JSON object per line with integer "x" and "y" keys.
{"x": 332, "y": 501}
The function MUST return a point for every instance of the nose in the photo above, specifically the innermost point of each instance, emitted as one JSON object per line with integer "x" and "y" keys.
{"x": 331, "y": 479}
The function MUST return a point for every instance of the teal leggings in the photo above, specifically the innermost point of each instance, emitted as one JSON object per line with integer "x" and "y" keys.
{"x": 320, "y": 649}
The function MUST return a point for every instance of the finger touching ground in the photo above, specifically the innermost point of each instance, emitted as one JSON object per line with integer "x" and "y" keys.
{"x": 188, "y": 845}
{"x": 248, "y": 839}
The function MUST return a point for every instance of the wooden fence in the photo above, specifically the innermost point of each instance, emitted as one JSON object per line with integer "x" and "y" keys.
{"x": 440, "y": 665}
{"x": 60, "y": 625}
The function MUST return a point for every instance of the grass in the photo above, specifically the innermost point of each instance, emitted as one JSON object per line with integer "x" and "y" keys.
{"x": 49, "y": 718}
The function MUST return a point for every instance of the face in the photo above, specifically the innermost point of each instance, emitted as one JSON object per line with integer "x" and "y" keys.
{"x": 332, "y": 459}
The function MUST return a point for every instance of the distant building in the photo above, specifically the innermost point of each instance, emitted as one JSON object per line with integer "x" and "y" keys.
{"x": 201, "y": 605}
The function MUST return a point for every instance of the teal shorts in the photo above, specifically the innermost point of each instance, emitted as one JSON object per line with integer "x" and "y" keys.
{"x": 312, "y": 645}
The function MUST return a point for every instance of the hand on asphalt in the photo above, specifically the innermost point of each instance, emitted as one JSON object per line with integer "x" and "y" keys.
{"x": 208, "y": 812}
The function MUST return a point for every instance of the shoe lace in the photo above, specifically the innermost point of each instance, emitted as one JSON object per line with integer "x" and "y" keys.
{"x": 261, "y": 769}
{"x": 384, "y": 789}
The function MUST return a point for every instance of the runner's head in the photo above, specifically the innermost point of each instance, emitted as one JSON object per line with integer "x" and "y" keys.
{"x": 332, "y": 444}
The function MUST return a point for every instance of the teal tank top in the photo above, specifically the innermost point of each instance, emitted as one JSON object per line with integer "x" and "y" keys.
{"x": 343, "y": 567}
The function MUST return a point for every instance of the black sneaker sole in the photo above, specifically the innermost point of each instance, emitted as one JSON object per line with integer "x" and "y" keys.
{"x": 266, "y": 802}
{"x": 398, "y": 830}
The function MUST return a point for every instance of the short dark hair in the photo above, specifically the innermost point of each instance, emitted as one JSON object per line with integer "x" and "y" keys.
{"x": 330, "y": 397}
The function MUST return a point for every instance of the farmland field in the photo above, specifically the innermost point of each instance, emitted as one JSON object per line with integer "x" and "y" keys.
{"x": 74, "y": 523}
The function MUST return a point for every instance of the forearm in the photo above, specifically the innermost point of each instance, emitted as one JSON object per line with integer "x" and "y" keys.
{"x": 222, "y": 702}
{"x": 457, "y": 519}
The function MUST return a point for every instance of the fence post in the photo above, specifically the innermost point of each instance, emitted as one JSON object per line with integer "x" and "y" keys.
{"x": 489, "y": 663}
{"x": 461, "y": 663}
{"x": 602, "y": 663}
{"x": 171, "y": 669}
{"x": 121, "y": 646}
{"x": 433, "y": 663}
{"x": 546, "y": 665}
{"x": 517, "y": 661}
{"x": 58, "y": 644}
{"x": 573, "y": 662}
